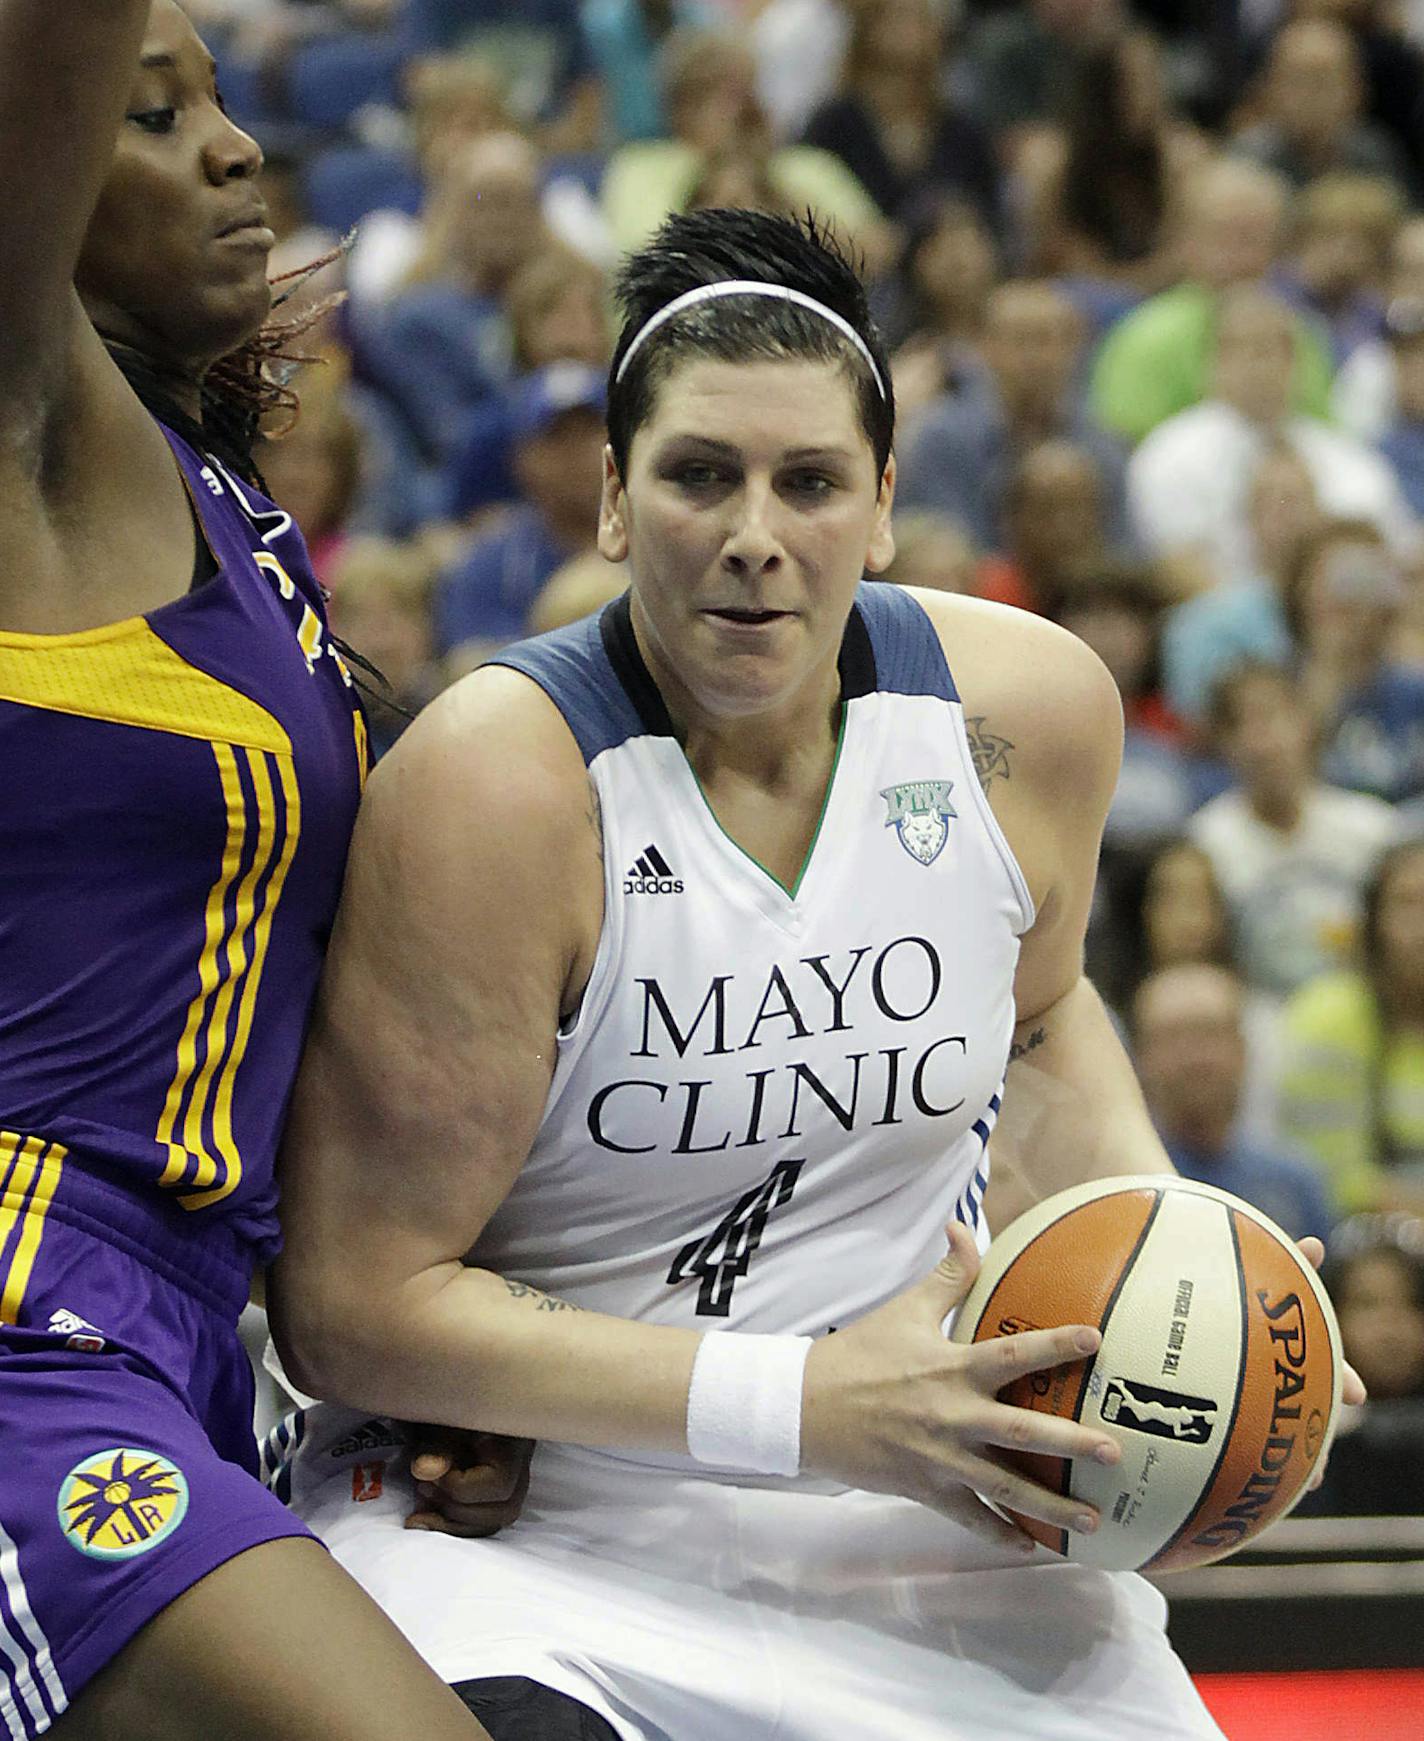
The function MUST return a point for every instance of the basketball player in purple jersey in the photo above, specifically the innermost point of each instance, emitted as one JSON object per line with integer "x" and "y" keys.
{"x": 181, "y": 755}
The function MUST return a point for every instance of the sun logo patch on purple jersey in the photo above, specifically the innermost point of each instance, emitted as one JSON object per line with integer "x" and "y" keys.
{"x": 121, "y": 1502}
{"x": 920, "y": 813}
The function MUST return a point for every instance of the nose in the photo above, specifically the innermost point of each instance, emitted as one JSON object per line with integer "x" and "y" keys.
{"x": 229, "y": 154}
{"x": 751, "y": 546}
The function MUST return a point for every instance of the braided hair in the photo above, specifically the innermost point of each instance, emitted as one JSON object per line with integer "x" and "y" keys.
{"x": 244, "y": 394}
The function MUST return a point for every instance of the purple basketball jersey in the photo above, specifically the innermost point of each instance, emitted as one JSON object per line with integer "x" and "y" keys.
{"x": 177, "y": 793}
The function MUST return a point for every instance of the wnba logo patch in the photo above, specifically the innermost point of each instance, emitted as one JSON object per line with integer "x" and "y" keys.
{"x": 121, "y": 1502}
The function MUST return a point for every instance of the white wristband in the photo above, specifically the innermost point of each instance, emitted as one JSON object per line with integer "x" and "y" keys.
{"x": 744, "y": 1402}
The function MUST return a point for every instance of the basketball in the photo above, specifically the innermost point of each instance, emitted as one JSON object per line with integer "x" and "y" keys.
{"x": 1219, "y": 1371}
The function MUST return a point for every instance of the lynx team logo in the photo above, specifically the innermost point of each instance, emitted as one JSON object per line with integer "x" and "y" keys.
{"x": 119, "y": 1503}
{"x": 920, "y": 813}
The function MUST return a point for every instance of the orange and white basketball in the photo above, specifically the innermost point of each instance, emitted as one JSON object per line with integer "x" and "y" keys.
{"x": 1219, "y": 1372}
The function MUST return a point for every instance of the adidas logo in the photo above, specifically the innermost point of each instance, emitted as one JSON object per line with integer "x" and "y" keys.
{"x": 651, "y": 874}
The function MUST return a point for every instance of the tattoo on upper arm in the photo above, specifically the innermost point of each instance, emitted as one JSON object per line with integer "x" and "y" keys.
{"x": 990, "y": 752}
{"x": 595, "y": 821}
{"x": 542, "y": 1302}
{"x": 1021, "y": 1049}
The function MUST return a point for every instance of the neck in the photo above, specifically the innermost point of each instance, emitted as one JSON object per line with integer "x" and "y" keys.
{"x": 1277, "y": 809}
{"x": 1403, "y": 1005}
{"x": 1205, "y": 1131}
{"x": 780, "y": 747}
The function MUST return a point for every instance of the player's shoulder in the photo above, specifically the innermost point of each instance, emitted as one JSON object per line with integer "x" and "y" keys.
{"x": 1033, "y": 682}
{"x": 494, "y": 745}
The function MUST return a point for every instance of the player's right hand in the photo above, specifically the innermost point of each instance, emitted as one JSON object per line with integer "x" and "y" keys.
{"x": 892, "y": 1405}
{"x": 469, "y": 1484}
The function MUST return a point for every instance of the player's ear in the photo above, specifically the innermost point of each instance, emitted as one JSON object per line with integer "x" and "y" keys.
{"x": 612, "y": 512}
{"x": 880, "y": 552}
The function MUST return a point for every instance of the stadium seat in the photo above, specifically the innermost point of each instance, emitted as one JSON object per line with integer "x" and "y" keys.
{"x": 343, "y": 183}
{"x": 329, "y": 79}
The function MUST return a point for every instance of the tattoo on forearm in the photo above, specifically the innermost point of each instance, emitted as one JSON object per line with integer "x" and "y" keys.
{"x": 990, "y": 752}
{"x": 1021, "y": 1048}
{"x": 542, "y": 1302}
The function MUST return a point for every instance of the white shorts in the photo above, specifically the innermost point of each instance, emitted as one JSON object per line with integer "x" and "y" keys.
{"x": 688, "y": 1609}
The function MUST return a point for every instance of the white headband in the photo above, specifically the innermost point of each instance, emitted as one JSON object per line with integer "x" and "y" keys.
{"x": 748, "y": 287}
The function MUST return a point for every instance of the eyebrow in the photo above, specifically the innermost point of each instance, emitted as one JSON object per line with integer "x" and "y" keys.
{"x": 160, "y": 60}
{"x": 727, "y": 450}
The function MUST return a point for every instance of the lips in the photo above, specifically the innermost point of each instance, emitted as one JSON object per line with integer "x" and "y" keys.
{"x": 254, "y": 218}
{"x": 736, "y": 614}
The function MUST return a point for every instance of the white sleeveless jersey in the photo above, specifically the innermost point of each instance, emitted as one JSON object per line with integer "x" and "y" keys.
{"x": 772, "y": 1101}
{"x": 768, "y": 1108}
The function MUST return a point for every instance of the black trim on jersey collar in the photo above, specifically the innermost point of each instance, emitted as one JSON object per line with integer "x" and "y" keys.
{"x": 615, "y": 627}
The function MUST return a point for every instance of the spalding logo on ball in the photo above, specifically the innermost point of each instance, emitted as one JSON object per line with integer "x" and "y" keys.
{"x": 1219, "y": 1372}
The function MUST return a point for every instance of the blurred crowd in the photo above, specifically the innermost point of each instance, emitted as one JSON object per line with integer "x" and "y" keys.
{"x": 1152, "y": 275}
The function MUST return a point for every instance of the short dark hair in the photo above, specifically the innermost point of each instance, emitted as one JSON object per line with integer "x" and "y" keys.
{"x": 1225, "y": 691}
{"x": 710, "y": 247}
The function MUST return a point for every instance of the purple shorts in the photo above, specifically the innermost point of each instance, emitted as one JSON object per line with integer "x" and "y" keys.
{"x": 127, "y": 1461}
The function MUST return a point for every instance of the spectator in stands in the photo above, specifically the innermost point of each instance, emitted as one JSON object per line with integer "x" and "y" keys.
{"x": 1312, "y": 101}
{"x": 1056, "y": 526}
{"x": 711, "y": 107}
{"x": 1363, "y": 398}
{"x": 380, "y": 605}
{"x": 1242, "y": 615}
{"x": 317, "y": 467}
{"x": 583, "y": 585}
{"x": 960, "y": 451}
{"x": 931, "y": 550}
{"x": 1162, "y": 907}
{"x": 1189, "y": 1043}
{"x": 557, "y": 308}
{"x": 1392, "y": 66}
{"x": 558, "y": 434}
{"x": 1106, "y": 183}
{"x": 1024, "y": 58}
{"x": 442, "y": 346}
{"x": 1344, "y": 596}
{"x": 539, "y": 50}
{"x": 1344, "y": 229}
{"x": 1157, "y": 360}
{"x": 932, "y": 308}
{"x": 891, "y": 123}
{"x": 1402, "y": 441}
{"x": 1374, "y": 1270}
{"x": 800, "y": 49}
{"x": 1188, "y": 480}
{"x": 1292, "y": 854}
{"x": 1117, "y": 610}
{"x": 454, "y": 101}
{"x": 623, "y": 39}
{"x": 1352, "y": 1080}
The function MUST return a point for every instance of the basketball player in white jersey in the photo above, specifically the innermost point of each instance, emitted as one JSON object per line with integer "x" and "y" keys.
{"x": 682, "y": 958}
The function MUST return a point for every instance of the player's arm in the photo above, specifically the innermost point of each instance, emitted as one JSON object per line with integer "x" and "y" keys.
{"x": 465, "y": 929}
{"x": 66, "y": 68}
{"x": 472, "y": 903}
{"x": 1046, "y": 727}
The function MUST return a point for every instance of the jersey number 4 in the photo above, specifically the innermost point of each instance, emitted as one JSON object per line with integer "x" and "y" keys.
{"x": 720, "y": 1257}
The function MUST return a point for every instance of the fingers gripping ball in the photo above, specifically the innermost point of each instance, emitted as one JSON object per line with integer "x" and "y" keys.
{"x": 1219, "y": 1371}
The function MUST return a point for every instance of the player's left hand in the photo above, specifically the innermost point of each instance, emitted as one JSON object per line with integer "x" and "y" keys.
{"x": 1352, "y": 1389}
{"x": 470, "y": 1484}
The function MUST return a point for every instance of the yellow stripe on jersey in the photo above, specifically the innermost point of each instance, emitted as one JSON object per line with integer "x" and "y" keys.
{"x": 219, "y": 1033}
{"x": 214, "y": 926}
{"x": 31, "y": 1169}
{"x": 51, "y": 1158}
{"x": 363, "y": 746}
{"x": 128, "y": 675}
{"x": 281, "y": 845}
